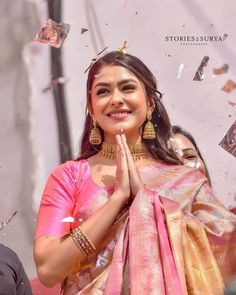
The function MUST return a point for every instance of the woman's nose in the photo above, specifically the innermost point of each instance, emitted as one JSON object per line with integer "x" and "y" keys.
{"x": 117, "y": 98}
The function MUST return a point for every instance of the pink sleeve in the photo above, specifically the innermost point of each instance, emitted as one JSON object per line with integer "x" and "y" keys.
{"x": 58, "y": 202}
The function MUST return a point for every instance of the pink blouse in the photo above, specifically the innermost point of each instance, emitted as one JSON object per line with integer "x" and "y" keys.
{"x": 69, "y": 192}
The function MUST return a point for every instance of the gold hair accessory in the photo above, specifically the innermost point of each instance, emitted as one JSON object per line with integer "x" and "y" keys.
{"x": 138, "y": 151}
{"x": 82, "y": 241}
{"x": 123, "y": 48}
{"x": 149, "y": 130}
{"x": 95, "y": 137}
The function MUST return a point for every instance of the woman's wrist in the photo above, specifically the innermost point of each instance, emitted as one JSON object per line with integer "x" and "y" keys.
{"x": 118, "y": 199}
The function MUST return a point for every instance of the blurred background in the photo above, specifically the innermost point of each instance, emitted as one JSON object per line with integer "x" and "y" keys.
{"x": 41, "y": 123}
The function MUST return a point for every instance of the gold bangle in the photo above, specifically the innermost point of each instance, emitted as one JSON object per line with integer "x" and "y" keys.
{"x": 82, "y": 241}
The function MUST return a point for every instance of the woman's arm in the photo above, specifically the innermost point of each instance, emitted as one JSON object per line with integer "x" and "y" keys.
{"x": 55, "y": 257}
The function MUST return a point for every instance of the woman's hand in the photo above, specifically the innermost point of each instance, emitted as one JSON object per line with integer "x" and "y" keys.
{"x": 134, "y": 177}
{"x": 122, "y": 188}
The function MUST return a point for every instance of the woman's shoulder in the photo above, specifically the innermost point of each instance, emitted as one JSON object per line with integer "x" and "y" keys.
{"x": 75, "y": 169}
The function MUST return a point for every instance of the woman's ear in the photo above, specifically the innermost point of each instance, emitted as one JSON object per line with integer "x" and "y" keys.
{"x": 151, "y": 105}
{"x": 90, "y": 111}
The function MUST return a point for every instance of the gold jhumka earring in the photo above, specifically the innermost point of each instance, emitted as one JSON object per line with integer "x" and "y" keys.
{"x": 95, "y": 137}
{"x": 149, "y": 130}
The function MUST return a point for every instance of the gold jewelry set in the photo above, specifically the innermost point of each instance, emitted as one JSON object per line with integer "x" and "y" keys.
{"x": 82, "y": 241}
{"x": 109, "y": 150}
{"x": 138, "y": 151}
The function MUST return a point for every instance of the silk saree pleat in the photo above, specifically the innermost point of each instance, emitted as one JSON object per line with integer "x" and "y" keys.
{"x": 152, "y": 266}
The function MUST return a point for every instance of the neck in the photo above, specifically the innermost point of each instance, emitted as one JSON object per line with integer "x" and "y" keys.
{"x": 131, "y": 139}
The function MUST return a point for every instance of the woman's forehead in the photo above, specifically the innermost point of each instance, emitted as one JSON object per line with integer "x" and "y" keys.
{"x": 183, "y": 141}
{"x": 113, "y": 73}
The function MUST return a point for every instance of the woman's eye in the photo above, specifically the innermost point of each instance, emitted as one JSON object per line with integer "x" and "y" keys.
{"x": 190, "y": 157}
{"x": 102, "y": 91}
{"x": 128, "y": 88}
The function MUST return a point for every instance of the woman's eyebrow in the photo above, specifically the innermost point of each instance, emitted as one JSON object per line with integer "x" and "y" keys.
{"x": 105, "y": 84}
{"x": 126, "y": 81}
{"x": 189, "y": 149}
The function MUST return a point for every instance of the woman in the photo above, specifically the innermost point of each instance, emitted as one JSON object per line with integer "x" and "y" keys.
{"x": 142, "y": 223}
{"x": 187, "y": 149}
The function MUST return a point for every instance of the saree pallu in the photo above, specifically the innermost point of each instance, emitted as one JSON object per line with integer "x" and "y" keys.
{"x": 176, "y": 238}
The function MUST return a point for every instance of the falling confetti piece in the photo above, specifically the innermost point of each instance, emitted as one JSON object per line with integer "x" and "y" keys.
{"x": 68, "y": 219}
{"x": 232, "y": 103}
{"x": 180, "y": 71}
{"x": 229, "y": 140}
{"x": 94, "y": 59}
{"x": 222, "y": 70}
{"x": 232, "y": 209}
{"x": 194, "y": 164}
{"x": 83, "y": 30}
{"x": 54, "y": 82}
{"x": 199, "y": 76}
{"x": 173, "y": 144}
{"x": 225, "y": 36}
{"x": 53, "y": 33}
{"x": 5, "y": 223}
{"x": 229, "y": 86}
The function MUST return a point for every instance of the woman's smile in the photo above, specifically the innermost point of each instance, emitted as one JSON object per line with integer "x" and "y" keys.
{"x": 119, "y": 114}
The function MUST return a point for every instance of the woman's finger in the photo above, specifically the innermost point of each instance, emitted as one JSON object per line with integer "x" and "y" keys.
{"x": 130, "y": 160}
{"x": 122, "y": 173}
{"x": 134, "y": 177}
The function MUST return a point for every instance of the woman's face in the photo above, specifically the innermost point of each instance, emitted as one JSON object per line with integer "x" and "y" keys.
{"x": 189, "y": 153}
{"x": 118, "y": 102}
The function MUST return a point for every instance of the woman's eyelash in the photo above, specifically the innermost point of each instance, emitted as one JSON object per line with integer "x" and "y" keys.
{"x": 102, "y": 91}
{"x": 128, "y": 87}
{"x": 190, "y": 157}
{"x": 125, "y": 88}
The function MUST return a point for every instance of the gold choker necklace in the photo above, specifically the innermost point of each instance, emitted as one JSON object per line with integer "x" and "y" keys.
{"x": 138, "y": 151}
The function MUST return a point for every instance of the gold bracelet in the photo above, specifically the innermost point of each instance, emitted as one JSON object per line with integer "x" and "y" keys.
{"x": 82, "y": 241}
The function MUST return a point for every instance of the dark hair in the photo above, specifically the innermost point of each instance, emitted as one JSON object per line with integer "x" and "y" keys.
{"x": 179, "y": 130}
{"x": 158, "y": 147}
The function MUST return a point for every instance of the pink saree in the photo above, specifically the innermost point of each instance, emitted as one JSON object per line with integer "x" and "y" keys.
{"x": 176, "y": 238}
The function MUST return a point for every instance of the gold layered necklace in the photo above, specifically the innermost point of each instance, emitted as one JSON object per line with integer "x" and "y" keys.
{"x": 138, "y": 151}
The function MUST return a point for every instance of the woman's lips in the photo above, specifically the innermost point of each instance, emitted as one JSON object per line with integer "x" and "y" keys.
{"x": 119, "y": 115}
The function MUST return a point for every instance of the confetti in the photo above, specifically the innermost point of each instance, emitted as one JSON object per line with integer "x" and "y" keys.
{"x": 53, "y": 33}
{"x": 232, "y": 209}
{"x": 180, "y": 71}
{"x": 54, "y": 82}
{"x": 94, "y": 59}
{"x": 83, "y": 30}
{"x": 232, "y": 103}
{"x": 229, "y": 141}
{"x": 199, "y": 76}
{"x": 222, "y": 70}
{"x": 5, "y": 223}
{"x": 173, "y": 144}
{"x": 225, "y": 36}
{"x": 68, "y": 219}
{"x": 229, "y": 86}
{"x": 194, "y": 164}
